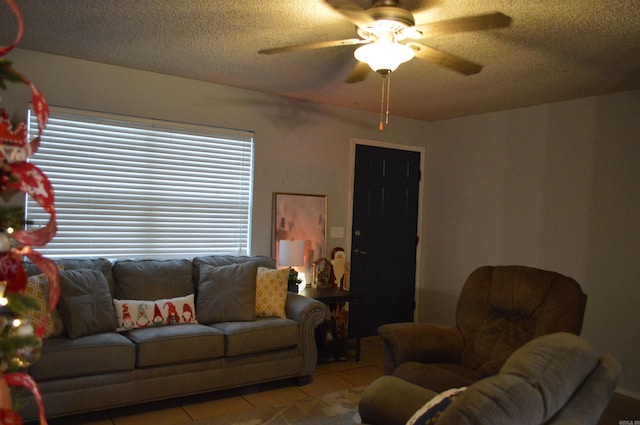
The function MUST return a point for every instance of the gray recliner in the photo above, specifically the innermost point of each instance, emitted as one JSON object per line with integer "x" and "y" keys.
{"x": 556, "y": 379}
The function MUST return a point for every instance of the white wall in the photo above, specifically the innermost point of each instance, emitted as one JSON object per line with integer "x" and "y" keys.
{"x": 554, "y": 186}
{"x": 301, "y": 147}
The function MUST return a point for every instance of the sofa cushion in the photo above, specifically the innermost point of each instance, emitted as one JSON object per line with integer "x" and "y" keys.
{"x": 227, "y": 293}
{"x": 38, "y": 289}
{"x": 133, "y": 314}
{"x": 271, "y": 292}
{"x": 225, "y": 260}
{"x": 165, "y": 345}
{"x": 152, "y": 279}
{"x": 102, "y": 264}
{"x": 263, "y": 334}
{"x": 85, "y": 303}
{"x": 63, "y": 357}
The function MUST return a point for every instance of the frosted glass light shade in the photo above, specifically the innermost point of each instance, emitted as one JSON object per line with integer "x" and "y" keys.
{"x": 384, "y": 55}
{"x": 291, "y": 253}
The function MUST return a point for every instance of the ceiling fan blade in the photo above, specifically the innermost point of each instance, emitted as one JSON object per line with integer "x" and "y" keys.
{"x": 352, "y": 11}
{"x": 445, "y": 59}
{"x": 359, "y": 73}
{"x": 423, "y": 6}
{"x": 311, "y": 46}
{"x": 470, "y": 23}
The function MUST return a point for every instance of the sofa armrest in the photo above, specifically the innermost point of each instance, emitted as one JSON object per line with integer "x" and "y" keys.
{"x": 309, "y": 314}
{"x": 391, "y": 401}
{"x": 586, "y": 405}
{"x": 419, "y": 342}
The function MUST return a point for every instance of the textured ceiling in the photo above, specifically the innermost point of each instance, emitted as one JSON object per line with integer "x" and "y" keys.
{"x": 554, "y": 50}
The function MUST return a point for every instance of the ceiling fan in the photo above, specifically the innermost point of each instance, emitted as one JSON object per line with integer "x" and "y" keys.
{"x": 387, "y": 32}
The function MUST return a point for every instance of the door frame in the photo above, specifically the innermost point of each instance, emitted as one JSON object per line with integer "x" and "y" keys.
{"x": 352, "y": 169}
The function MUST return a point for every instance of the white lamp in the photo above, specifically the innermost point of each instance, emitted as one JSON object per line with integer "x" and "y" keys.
{"x": 291, "y": 254}
{"x": 384, "y": 56}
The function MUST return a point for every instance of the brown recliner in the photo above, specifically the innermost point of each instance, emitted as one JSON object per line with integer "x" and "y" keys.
{"x": 500, "y": 308}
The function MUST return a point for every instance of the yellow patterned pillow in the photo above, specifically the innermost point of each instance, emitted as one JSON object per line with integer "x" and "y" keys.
{"x": 38, "y": 288}
{"x": 271, "y": 292}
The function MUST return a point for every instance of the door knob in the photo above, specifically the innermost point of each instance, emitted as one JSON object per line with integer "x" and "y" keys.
{"x": 359, "y": 252}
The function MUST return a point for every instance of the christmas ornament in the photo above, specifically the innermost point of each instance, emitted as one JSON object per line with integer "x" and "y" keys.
{"x": 29, "y": 353}
{"x": 5, "y": 242}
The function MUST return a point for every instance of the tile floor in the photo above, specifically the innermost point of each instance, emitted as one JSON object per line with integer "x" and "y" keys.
{"x": 327, "y": 378}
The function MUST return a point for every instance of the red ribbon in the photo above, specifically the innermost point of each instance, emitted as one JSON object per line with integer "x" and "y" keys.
{"x": 16, "y": 11}
{"x": 20, "y": 379}
{"x": 9, "y": 417}
{"x": 32, "y": 181}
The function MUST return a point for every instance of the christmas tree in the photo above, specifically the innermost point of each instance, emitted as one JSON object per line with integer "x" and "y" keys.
{"x": 20, "y": 343}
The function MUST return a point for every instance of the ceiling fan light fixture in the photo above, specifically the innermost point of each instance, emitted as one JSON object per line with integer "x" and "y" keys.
{"x": 384, "y": 56}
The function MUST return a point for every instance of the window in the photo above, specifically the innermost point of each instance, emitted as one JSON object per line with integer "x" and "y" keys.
{"x": 128, "y": 187}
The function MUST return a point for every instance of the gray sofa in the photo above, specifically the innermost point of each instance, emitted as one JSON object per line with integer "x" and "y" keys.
{"x": 556, "y": 379}
{"x": 94, "y": 366}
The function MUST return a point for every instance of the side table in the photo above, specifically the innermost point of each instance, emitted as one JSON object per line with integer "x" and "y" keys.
{"x": 334, "y": 296}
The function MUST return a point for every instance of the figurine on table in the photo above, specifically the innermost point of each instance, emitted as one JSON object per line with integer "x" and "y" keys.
{"x": 340, "y": 267}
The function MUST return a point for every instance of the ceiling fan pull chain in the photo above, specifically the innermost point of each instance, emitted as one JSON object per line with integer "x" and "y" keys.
{"x": 381, "y": 126}
{"x": 384, "y": 98}
{"x": 388, "y": 96}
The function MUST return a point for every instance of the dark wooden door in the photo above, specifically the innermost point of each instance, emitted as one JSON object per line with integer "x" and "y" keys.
{"x": 384, "y": 235}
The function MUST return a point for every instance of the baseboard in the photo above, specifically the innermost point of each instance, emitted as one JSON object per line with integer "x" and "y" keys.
{"x": 628, "y": 393}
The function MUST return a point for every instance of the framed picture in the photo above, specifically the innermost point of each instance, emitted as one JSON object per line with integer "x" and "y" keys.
{"x": 301, "y": 217}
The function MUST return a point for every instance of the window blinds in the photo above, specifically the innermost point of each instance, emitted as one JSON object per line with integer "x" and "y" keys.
{"x": 141, "y": 188}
